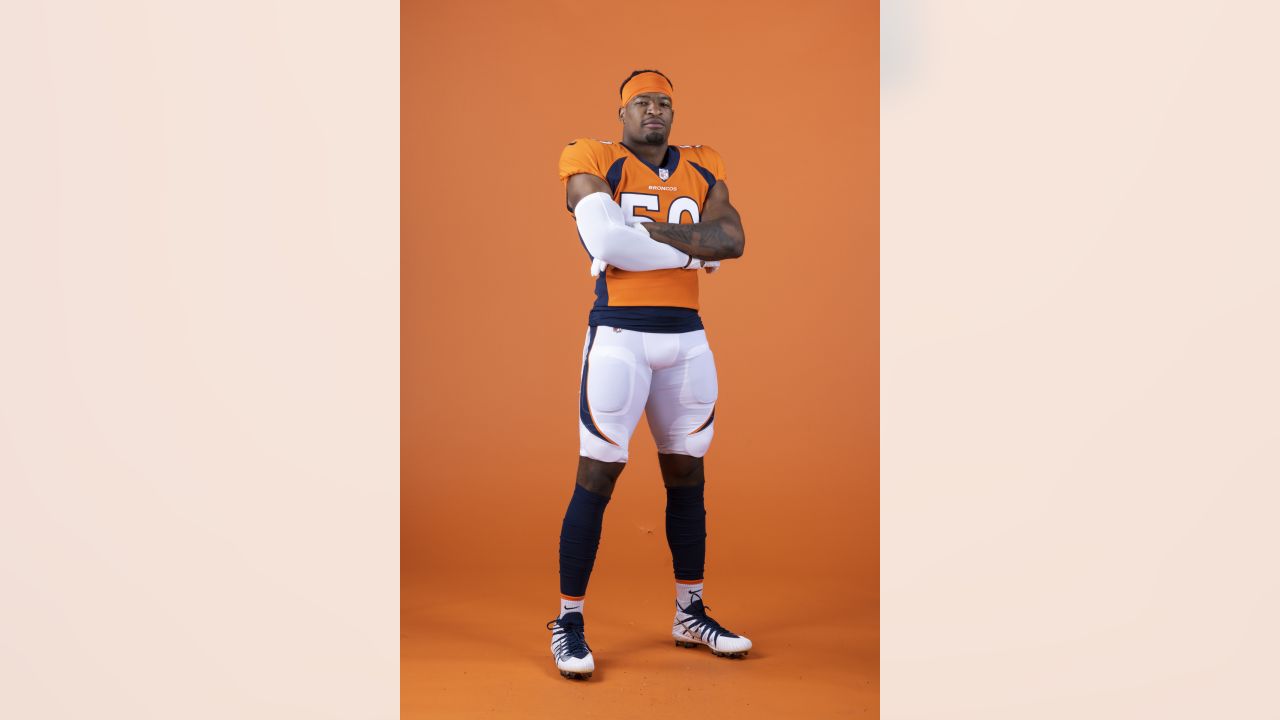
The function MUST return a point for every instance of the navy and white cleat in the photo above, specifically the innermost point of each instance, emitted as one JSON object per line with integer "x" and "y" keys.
{"x": 693, "y": 627}
{"x": 569, "y": 646}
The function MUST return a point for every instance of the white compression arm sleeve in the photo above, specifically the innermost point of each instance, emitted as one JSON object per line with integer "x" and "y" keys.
{"x": 605, "y": 232}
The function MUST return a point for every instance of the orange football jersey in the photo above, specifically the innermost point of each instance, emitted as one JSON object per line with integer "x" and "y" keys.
{"x": 673, "y": 192}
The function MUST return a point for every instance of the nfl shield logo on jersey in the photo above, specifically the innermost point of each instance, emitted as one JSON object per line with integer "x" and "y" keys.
{"x": 663, "y": 173}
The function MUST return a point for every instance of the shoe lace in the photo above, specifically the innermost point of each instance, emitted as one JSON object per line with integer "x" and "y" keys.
{"x": 699, "y": 624}
{"x": 568, "y": 638}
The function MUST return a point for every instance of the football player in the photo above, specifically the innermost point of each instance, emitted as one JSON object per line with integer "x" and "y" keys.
{"x": 649, "y": 215}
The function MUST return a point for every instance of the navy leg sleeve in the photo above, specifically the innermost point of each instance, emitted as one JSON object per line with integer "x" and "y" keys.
{"x": 579, "y": 539}
{"x": 687, "y": 530}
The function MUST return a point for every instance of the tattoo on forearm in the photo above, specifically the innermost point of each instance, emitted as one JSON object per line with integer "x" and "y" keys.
{"x": 706, "y": 241}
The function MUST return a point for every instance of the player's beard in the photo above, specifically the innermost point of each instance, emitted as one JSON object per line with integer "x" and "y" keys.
{"x": 655, "y": 138}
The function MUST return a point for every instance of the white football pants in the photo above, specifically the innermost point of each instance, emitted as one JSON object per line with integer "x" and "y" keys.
{"x": 672, "y": 376}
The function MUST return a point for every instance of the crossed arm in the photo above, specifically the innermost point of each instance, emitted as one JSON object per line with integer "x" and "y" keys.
{"x": 717, "y": 235}
{"x": 658, "y": 245}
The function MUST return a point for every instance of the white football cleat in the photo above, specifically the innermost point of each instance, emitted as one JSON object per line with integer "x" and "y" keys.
{"x": 693, "y": 627}
{"x": 569, "y": 647}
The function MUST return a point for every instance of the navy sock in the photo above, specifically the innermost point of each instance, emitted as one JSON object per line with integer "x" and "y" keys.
{"x": 687, "y": 530}
{"x": 579, "y": 539}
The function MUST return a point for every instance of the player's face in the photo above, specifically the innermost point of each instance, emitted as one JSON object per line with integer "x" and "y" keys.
{"x": 647, "y": 118}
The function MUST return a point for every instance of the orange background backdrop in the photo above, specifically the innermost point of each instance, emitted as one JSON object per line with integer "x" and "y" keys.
{"x": 495, "y": 294}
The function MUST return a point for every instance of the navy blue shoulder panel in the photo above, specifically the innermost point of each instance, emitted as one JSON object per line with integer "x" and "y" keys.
{"x": 672, "y": 159}
{"x": 614, "y": 176}
{"x": 706, "y": 175}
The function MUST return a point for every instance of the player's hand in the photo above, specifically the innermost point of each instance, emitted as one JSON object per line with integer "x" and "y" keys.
{"x": 709, "y": 265}
{"x": 639, "y": 227}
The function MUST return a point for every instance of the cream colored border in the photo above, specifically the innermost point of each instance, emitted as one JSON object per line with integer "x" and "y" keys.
{"x": 199, "y": 375}
{"x": 1080, "y": 262}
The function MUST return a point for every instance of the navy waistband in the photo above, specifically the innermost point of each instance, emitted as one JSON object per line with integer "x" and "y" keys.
{"x": 647, "y": 319}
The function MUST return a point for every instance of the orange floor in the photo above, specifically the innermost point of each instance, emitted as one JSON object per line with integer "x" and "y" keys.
{"x": 468, "y": 653}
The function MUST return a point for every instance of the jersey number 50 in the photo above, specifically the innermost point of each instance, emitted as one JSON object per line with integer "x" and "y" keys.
{"x": 681, "y": 205}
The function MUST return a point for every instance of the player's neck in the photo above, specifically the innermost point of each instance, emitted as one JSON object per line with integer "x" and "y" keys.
{"x": 652, "y": 154}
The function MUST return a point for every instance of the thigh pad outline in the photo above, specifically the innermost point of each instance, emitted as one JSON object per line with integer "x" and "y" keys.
{"x": 611, "y": 380}
{"x": 701, "y": 380}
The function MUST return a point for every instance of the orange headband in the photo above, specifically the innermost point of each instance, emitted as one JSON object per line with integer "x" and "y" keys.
{"x": 646, "y": 83}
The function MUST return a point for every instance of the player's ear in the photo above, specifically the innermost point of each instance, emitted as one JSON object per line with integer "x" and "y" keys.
{"x": 620, "y": 114}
